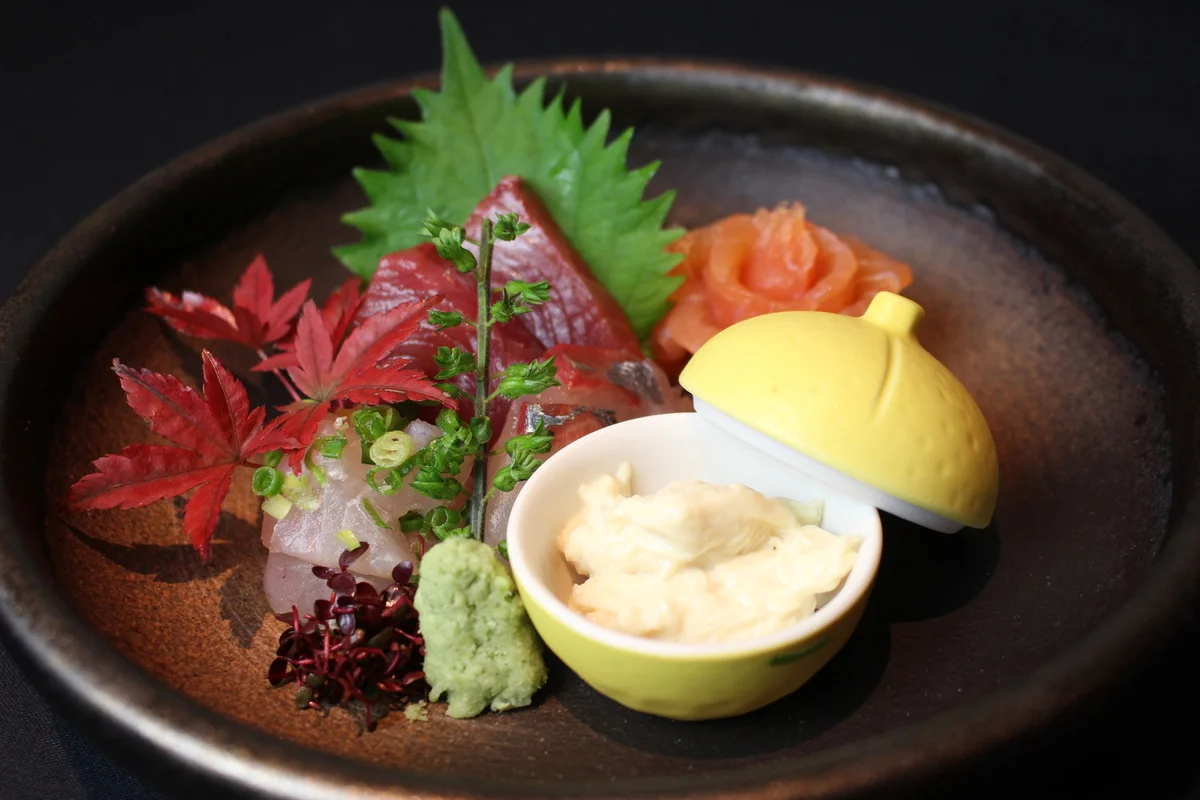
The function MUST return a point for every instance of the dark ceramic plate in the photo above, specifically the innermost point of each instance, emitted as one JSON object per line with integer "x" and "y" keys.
{"x": 1071, "y": 318}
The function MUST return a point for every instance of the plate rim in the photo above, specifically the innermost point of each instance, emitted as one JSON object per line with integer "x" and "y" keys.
{"x": 152, "y": 717}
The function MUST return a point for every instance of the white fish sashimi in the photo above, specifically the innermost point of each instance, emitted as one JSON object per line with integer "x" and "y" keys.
{"x": 343, "y": 504}
{"x": 289, "y": 582}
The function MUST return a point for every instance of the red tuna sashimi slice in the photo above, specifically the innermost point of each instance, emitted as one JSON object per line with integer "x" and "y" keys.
{"x": 580, "y": 311}
{"x": 598, "y": 388}
{"x": 419, "y": 272}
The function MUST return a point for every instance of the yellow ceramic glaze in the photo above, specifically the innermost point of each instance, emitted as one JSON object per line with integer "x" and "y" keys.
{"x": 670, "y": 679}
{"x": 693, "y": 687}
{"x": 859, "y": 395}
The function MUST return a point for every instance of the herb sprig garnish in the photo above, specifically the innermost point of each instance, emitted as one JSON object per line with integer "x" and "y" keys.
{"x": 438, "y": 465}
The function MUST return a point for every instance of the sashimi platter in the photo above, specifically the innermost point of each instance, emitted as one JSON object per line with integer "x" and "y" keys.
{"x": 536, "y": 428}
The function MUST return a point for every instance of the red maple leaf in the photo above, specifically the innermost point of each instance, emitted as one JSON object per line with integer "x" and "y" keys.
{"x": 363, "y": 371}
{"x": 211, "y": 434}
{"x": 256, "y": 319}
{"x": 339, "y": 311}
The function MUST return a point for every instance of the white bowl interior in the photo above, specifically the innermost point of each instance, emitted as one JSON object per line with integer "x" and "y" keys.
{"x": 663, "y": 449}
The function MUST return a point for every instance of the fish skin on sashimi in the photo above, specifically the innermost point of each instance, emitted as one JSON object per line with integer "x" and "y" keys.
{"x": 580, "y": 311}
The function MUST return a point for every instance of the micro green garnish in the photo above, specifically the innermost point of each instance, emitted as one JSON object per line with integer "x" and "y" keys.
{"x": 476, "y": 131}
{"x": 502, "y": 549}
{"x": 266, "y": 481}
{"x": 365, "y": 646}
{"x": 374, "y": 514}
{"x": 439, "y": 464}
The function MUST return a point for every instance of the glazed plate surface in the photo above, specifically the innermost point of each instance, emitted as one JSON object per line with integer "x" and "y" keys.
{"x": 1071, "y": 319}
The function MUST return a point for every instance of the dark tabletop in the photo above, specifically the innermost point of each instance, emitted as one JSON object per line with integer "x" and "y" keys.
{"x": 95, "y": 98}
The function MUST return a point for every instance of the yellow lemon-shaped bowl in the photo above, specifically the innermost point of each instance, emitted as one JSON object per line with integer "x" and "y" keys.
{"x": 680, "y": 681}
{"x": 858, "y": 403}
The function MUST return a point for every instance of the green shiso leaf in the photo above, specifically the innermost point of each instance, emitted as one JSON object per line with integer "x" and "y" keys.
{"x": 476, "y": 131}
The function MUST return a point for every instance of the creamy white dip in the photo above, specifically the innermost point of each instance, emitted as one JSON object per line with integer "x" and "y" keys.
{"x": 700, "y": 562}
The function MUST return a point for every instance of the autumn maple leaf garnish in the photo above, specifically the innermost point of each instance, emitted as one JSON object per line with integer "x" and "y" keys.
{"x": 363, "y": 371}
{"x": 256, "y": 319}
{"x": 212, "y": 433}
{"x": 339, "y": 311}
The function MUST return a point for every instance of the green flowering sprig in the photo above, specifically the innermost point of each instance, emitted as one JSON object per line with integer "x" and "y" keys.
{"x": 438, "y": 465}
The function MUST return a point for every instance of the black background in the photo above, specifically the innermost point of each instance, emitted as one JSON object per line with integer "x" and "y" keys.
{"x": 94, "y": 97}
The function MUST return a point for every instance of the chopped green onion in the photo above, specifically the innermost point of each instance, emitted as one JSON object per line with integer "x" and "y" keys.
{"x": 369, "y": 507}
{"x": 266, "y": 481}
{"x": 316, "y": 469}
{"x": 272, "y": 458}
{"x": 347, "y": 537}
{"x": 330, "y": 446}
{"x": 392, "y": 481}
{"x": 298, "y": 489}
{"x": 373, "y": 422}
{"x": 502, "y": 549}
{"x": 412, "y": 522}
{"x": 392, "y": 449}
{"x": 277, "y": 506}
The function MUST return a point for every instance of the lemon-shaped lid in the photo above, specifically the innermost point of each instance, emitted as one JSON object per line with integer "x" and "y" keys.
{"x": 857, "y": 403}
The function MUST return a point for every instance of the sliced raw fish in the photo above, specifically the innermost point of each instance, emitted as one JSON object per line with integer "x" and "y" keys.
{"x": 581, "y": 311}
{"x": 419, "y": 272}
{"x": 746, "y": 265}
{"x": 598, "y": 388}
{"x": 343, "y": 505}
{"x": 289, "y": 581}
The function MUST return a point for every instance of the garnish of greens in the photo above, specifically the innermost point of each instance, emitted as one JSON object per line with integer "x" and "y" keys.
{"x": 472, "y": 640}
{"x": 480, "y": 647}
{"x": 213, "y": 433}
{"x": 476, "y": 131}
{"x": 438, "y": 465}
{"x": 364, "y": 645}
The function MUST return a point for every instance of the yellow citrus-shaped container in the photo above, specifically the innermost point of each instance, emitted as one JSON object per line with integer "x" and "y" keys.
{"x": 806, "y": 405}
{"x": 857, "y": 403}
{"x": 671, "y": 679}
